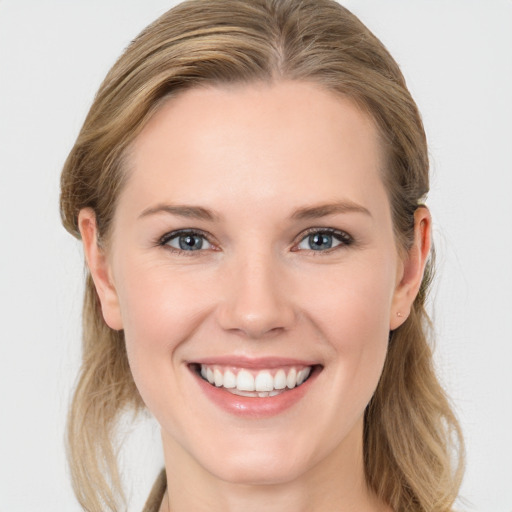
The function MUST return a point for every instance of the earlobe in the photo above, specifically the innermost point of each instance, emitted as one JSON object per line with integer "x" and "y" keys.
{"x": 99, "y": 268}
{"x": 413, "y": 268}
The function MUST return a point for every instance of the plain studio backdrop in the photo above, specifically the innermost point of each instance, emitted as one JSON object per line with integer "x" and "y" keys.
{"x": 457, "y": 59}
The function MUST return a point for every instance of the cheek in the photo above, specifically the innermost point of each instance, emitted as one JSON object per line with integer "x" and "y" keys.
{"x": 353, "y": 317}
{"x": 354, "y": 304}
{"x": 157, "y": 303}
{"x": 159, "y": 310}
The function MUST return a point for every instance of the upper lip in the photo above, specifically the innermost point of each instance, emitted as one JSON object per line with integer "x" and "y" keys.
{"x": 253, "y": 362}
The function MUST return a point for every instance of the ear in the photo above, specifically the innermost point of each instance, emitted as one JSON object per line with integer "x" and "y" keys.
{"x": 99, "y": 267}
{"x": 413, "y": 268}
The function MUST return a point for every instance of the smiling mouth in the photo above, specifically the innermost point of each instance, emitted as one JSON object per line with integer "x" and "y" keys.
{"x": 247, "y": 382}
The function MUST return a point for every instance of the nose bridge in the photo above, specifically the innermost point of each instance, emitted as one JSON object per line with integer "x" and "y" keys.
{"x": 255, "y": 301}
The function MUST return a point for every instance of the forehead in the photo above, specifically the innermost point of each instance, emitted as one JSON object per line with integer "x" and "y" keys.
{"x": 286, "y": 142}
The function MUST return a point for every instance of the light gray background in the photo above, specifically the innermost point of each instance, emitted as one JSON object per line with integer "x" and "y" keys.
{"x": 457, "y": 58}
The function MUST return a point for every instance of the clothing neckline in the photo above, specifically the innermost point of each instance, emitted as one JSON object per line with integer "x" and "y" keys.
{"x": 157, "y": 493}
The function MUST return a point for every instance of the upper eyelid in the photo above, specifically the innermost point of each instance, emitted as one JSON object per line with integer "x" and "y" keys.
{"x": 332, "y": 231}
{"x": 303, "y": 234}
{"x": 345, "y": 240}
{"x": 178, "y": 232}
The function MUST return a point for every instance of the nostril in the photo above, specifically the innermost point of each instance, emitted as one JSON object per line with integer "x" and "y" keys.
{"x": 255, "y": 305}
{"x": 256, "y": 326}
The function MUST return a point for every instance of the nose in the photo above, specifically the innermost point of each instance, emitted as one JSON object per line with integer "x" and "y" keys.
{"x": 257, "y": 300}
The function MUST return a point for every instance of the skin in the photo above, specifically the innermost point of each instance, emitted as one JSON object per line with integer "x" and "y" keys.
{"x": 254, "y": 155}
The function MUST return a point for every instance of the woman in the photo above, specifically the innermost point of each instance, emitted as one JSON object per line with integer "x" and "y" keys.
{"x": 249, "y": 188}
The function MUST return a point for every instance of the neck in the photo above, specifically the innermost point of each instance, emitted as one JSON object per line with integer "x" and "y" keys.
{"x": 335, "y": 483}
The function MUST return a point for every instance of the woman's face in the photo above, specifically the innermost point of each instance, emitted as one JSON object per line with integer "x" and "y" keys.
{"x": 253, "y": 243}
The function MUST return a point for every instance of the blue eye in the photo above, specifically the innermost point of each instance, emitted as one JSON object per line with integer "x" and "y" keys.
{"x": 323, "y": 240}
{"x": 186, "y": 241}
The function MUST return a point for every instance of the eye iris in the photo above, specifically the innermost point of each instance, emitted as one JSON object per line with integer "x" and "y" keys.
{"x": 318, "y": 241}
{"x": 190, "y": 242}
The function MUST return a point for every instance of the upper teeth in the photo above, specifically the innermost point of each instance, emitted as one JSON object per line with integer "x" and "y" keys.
{"x": 263, "y": 380}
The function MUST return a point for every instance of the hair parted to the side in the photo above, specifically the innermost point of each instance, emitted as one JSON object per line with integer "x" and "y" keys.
{"x": 413, "y": 450}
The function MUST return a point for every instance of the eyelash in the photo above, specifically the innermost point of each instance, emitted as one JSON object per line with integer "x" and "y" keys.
{"x": 341, "y": 236}
{"x": 164, "y": 240}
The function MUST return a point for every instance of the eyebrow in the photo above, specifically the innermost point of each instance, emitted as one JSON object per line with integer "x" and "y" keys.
{"x": 305, "y": 213}
{"x": 187, "y": 211}
{"x": 323, "y": 210}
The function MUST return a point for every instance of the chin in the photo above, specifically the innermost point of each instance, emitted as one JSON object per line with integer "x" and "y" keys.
{"x": 259, "y": 469}
{"x": 259, "y": 457}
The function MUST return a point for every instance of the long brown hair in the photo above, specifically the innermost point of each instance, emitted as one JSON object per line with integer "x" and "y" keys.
{"x": 411, "y": 436}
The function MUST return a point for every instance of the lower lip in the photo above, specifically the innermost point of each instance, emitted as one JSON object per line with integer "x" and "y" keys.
{"x": 255, "y": 407}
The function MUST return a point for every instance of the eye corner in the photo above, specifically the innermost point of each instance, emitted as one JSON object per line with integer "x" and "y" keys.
{"x": 342, "y": 238}
{"x": 205, "y": 239}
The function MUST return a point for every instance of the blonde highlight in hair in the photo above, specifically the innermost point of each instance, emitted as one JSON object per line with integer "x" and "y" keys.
{"x": 411, "y": 435}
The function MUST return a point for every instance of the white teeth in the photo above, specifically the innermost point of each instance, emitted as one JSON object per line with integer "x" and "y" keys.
{"x": 229, "y": 380}
{"x": 262, "y": 383}
{"x": 291, "y": 380}
{"x": 245, "y": 381}
{"x": 303, "y": 375}
{"x": 252, "y": 394}
{"x": 219, "y": 378}
{"x": 280, "y": 380}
